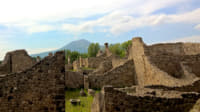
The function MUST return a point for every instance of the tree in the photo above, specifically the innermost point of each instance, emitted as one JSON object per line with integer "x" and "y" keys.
{"x": 93, "y": 49}
{"x": 120, "y": 49}
{"x": 117, "y": 49}
{"x": 74, "y": 56}
{"x": 126, "y": 44}
{"x": 67, "y": 54}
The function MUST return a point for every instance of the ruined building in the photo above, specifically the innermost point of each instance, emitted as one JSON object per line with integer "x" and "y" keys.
{"x": 40, "y": 88}
{"x": 165, "y": 79}
{"x": 151, "y": 78}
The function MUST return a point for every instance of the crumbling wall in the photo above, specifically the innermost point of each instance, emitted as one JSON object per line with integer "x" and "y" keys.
{"x": 173, "y": 48}
{"x": 117, "y": 61}
{"x": 116, "y": 100}
{"x": 172, "y": 64}
{"x": 176, "y": 48}
{"x": 74, "y": 79}
{"x": 94, "y": 62}
{"x": 16, "y": 61}
{"x": 76, "y": 65}
{"x": 148, "y": 73}
{"x": 37, "y": 89}
{"x": 120, "y": 76}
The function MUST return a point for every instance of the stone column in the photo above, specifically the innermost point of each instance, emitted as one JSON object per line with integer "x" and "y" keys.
{"x": 68, "y": 59}
{"x": 50, "y": 54}
{"x": 107, "y": 51}
{"x": 86, "y": 82}
{"x": 38, "y": 59}
{"x": 80, "y": 61}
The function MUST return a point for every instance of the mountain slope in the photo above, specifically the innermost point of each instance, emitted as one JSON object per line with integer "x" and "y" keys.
{"x": 79, "y": 45}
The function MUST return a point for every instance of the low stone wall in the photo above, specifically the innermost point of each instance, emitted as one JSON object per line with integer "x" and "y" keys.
{"x": 122, "y": 100}
{"x": 120, "y": 76}
{"x": 74, "y": 80}
{"x": 37, "y": 89}
{"x": 194, "y": 87}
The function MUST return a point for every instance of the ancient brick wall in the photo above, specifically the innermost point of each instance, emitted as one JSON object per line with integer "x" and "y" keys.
{"x": 37, "y": 89}
{"x": 194, "y": 87}
{"x": 152, "y": 70}
{"x": 172, "y": 64}
{"x": 74, "y": 80}
{"x": 117, "y": 61}
{"x": 120, "y": 76}
{"x": 175, "y": 48}
{"x": 121, "y": 101}
{"x": 16, "y": 61}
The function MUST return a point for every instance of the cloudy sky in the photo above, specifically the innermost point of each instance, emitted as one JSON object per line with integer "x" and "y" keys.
{"x": 42, "y": 25}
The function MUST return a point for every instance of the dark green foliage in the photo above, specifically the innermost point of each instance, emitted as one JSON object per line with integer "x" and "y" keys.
{"x": 126, "y": 44}
{"x": 74, "y": 55}
{"x": 116, "y": 49}
{"x": 93, "y": 49}
{"x": 0, "y": 62}
{"x": 120, "y": 49}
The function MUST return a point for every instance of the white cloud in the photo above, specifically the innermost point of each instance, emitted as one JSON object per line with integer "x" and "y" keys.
{"x": 40, "y": 50}
{"x": 197, "y": 27}
{"x": 39, "y": 11}
{"x": 32, "y": 27}
{"x": 195, "y": 38}
{"x": 119, "y": 23}
{"x": 3, "y": 49}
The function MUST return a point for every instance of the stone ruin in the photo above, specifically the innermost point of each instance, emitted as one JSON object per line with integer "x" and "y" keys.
{"x": 151, "y": 78}
{"x": 158, "y": 71}
{"x": 16, "y": 61}
{"x": 165, "y": 76}
{"x": 40, "y": 87}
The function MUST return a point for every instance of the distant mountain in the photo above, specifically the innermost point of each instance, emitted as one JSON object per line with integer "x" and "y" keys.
{"x": 79, "y": 45}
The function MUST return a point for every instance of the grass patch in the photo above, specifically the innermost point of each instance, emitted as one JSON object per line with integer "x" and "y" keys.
{"x": 85, "y": 105}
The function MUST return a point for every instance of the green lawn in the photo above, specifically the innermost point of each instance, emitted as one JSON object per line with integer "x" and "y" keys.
{"x": 85, "y": 105}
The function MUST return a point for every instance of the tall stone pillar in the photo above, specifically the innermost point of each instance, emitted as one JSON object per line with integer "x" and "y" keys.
{"x": 80, "y": 61}
{"x": 50, "y": 54}
{"x": 107, "y": 51}
{"x": 68, "y": 60}
{"x": 86, "y": 82}
{"x": 38, "y": 59}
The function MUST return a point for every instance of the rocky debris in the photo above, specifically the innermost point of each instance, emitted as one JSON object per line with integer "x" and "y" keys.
{"x": 91, "y": 92}
{"x": 82, "y": 93}
{"x": 75, "y": 101}
{"x": 37, "y": 89}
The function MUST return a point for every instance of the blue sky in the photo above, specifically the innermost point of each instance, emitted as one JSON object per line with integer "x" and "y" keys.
{"x": 43, "y": 25}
